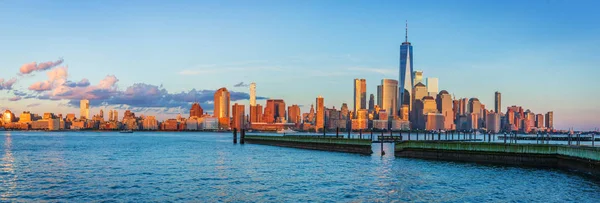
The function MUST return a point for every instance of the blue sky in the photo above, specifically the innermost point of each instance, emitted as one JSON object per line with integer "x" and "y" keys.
{"x": 539, "y": 54}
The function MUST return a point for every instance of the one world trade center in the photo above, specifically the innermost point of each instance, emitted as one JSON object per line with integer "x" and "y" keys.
{"x": 406, "y": 70}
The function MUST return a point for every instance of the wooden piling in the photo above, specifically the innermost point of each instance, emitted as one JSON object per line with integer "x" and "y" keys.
{"x": 337, "y": 132}
{"x": 360, "y": 133}
{"x": 243, "y": 136}
{"x": 234, "y": 135}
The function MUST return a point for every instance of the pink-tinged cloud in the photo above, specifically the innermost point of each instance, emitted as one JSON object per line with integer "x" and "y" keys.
{"x": 41, "y": 86}
{"x": 17, "y": 98}
{"x": 7, "y": 84}
{"x": 33, "y": 105}
{"x": 33, "y": 66}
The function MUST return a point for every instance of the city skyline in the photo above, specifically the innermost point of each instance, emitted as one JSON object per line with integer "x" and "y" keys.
{"x": 235, "y": 72}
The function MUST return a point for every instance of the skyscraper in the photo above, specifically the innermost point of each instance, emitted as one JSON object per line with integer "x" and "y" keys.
{"x": 320, "y": 121}
{"x": 252, "y": 94}
{"x": 371, "y": 102}
{"x": 550, "y": 120}
{"x": 406, "y": 70}
{"x": 474, "y": 106}
{"x": 221, "y": 107}
{"x": 387, "y": 97}
{"x": 276, "y": 110}
{"x": 84, "y": 109}
{"x": 416, "y": 115}
{"x": 417, "y": 76}
{"x": 497, "y": 102}
{"x": 196, "y": 110}
{"x": 238, "y": 116}
{"x": 444, "y": 106}
{"x": 294, "y": 114}
{"x": 256, "y": 113}
{"x": 360, "y": 94}
{"x": 432, "y": 86}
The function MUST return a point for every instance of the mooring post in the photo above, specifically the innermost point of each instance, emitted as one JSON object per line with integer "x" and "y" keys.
{"x": 446, "y": 135}
{"x": 453, "y": 135}
{"x": 243, "y": 136}
{"x": 504, "y": 137}
{"x": 382, "y": 153}
{"x": 381, "y": 138}
{"x": 593, "y": 138}
{"x": 537, "y": 138}
{"x": 234, "y": 135}
{"x": 337, "y": 132}
{"x": 439, "y": 134}
{"x": 569, "y": 139}
{"x": 360, "y": 133}
{"x": 371, "y": 135}
{"x": 408, "y": 135}
{"x": 391, "y": 135}
{"x": 348, "y": 134}
{"x": 578, "y": 139}
{"x": 417, "y": 135}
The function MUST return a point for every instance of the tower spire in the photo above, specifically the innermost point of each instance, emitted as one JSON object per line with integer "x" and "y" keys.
{"x": 406, "y": 35}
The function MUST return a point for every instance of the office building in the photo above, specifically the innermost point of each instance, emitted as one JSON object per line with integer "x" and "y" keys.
{"x": 432, "y": 86}
{"x": 497, "y": 102}
{"x": 84, "y": 109}
{"x": 406, "y": 69}
{"x": 550, "y": 120}
{"x": 320, "y": 120}
{"x": 256, "y": 113}
{"x": 474, "y": 106}
{"x": 252, "y": 94}
{"x": 221, "y": 107}
{"x": 493, "y": 122}
{"x": 539, "y": 121}
{"x": 275, "y": 110}
{"x": 445, "y": 107}
{"x": 196, "y": 110}
{"x": 238, "y": 116}
{"x": 387, "y": 97}
{"x": 419, "y": 92}
{"x": 294, "y": 115}
{"x": 360, "y": 94}
{"x": 417, "y": 76}
{"x": 371, "y": 102}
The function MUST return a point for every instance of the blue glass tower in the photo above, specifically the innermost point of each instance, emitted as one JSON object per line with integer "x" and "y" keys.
{"x": 406, "y": 70}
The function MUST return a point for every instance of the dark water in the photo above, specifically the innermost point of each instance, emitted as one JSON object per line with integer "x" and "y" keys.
{"x": 207, "y": 167}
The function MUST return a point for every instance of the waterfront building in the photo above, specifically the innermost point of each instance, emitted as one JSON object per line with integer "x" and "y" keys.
{"x": 445, "y": 107}
{"x": 473, "y": 121}
{"x": 116, "y": 116}
{"x": 110, "y": 115}
{"x": 497, "y": 102}
{"x": 398, "y": 124}
{"x": 419, "y": 92}
{"x": 360, "y": 94}
{"x": 221, "y": 107}
{"x": 274, "y": 110}
{"x": 25, "y": 117}
{"x": 406, "y": 73}
{"x": 320, "y": 120}
{"x": 84, "y": 109}
{"x": 170, "y": 125}
{"x": 191, "y": 124}
{"x": 462, "y": 106}
{"x": 493, "y": 122}
{"x": 455, "y": 108}
{"x": 539, "y": 121}
{"x": 433, "y": 121}
{"x": 210, "y": 123}
{"x": 252, "y": 94}
{"x": 256, "y": 113}
{"x": 432, "y": 86}
{"x": 344, "y": 112}
{"x": 150, "y": 123}
{"x": 550, "y": 120}
{"x": 387, "y": 97}
{"x": 294, "y": 114}
{"x": 196, "y": 110}
{"x": 238, "y": 116}
{"x": 380, "y": 124}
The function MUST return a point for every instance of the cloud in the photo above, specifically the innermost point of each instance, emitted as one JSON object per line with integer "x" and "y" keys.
{"x": 16, "y": 98}
{"x": 56, "y": 77}
{"x": 33, "y": 66}
{"x": 241, "y": 84}
{"x": 7, "y": 85}
{"x": 33, "y": 105}
{"x": 83, "y": 83}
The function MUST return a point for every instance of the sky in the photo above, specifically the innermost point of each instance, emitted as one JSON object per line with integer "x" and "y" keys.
{"x": 155, "y": 57}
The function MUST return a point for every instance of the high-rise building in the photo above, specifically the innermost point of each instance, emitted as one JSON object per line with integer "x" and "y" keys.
{"x": 417, "y": 76}
{"x": 404, "y": 112}
{"x": 256, "y": 113}
{"x": 344, "y": 112}
{"x": 252, "y": 94}
{"x": 432, "y": 86}
{"x": 371, "y": 102}
{"x": 294, "y": 114}
{"x": 110, "y": 115}
{"x": 419, "y": 92}
{"x": 445, "y": 107}
{"x": 550, "y": 120}
{"x": 474, "y": 106}
{"x": 406, "y": 70}
{"x": 221, "y": 108}
{"x": 539, "y": 121}
{"x": 275, "y": 109}
{"x": 196, "y": 110}
{"x": 360, "y": 94}
{"x": 84, "y": 109}
{"x": 320, "y": 120}
{"x": 116, "y": 116}
{"x": 493, "y": 122}
{"x": 498, "y": 102}
{"x": 387, "y": 97}
{"x": 101, "y": 114}
{"x": 238, "y": 116}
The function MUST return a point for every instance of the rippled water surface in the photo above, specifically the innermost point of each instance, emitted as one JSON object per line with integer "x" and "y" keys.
{"x": 207, "y": 167}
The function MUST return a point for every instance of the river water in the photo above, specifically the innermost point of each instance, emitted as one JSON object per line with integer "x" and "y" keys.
{"x": 207, "y": 167}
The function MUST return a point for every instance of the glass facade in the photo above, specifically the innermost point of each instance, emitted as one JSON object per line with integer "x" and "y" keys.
{"x": 406, "y": 70}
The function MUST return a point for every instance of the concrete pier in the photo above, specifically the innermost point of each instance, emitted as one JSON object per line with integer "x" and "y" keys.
{"x": 360, "y": 146}
{"x": 577, "y": 158}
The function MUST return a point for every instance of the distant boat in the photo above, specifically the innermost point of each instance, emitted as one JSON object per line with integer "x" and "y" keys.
{"x": 127, "y": 131}
{"x": 286, "y": 131}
